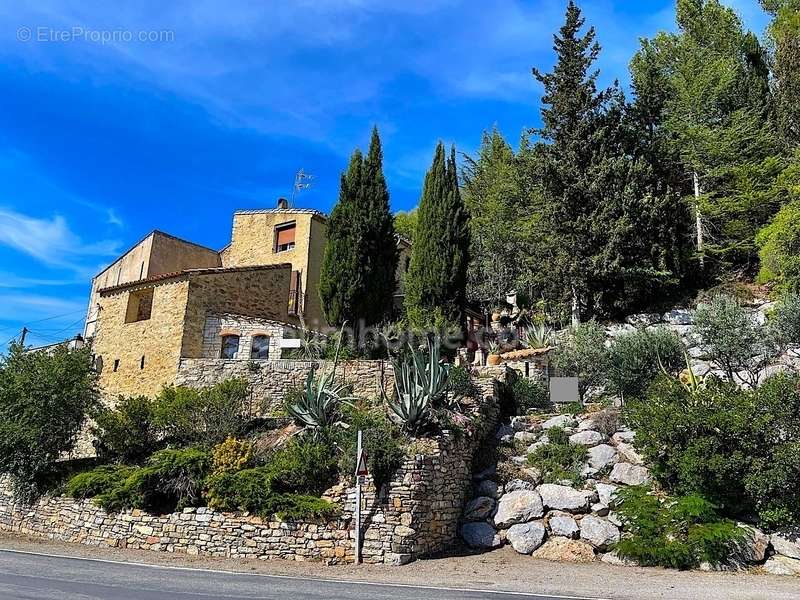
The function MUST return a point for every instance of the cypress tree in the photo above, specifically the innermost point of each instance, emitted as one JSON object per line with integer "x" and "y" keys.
{"x": 357, "y": 281}
{"x": 340, "y": 285}
{"x": 437, "y": 277}
{"x": 379, "y": 244}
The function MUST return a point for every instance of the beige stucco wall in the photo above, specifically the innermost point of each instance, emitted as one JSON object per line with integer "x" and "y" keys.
{"x": 158, "y": 339}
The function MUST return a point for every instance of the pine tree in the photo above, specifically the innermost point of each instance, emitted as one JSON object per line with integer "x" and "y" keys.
{"x": 436, "y": 281}
{"x": 571, "y": 105}
{"x": 784, "y": 34}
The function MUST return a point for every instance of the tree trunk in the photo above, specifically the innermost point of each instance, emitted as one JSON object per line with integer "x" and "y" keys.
{"x": 698, "y": 219}
{"x": 576, "y": 308}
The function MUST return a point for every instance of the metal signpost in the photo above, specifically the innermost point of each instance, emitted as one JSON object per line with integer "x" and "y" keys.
{"x": 361, "y": 472}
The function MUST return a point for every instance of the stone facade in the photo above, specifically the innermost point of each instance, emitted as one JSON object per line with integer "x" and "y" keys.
{"x": 246, "y": 328}
{"x": 272, "y": 380}
{"x": 139, "y": 357}
{"x": 416, "y": 514}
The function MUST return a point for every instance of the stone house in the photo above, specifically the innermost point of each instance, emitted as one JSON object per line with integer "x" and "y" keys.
{"x": 168, "y": 299}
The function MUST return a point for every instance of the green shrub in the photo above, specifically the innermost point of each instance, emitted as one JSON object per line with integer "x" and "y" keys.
{"x": 678, "y": 533}
{"x": 232, "y": 455}
{"x": 460, "y": 382}
{"x": 558, "y": 460}
{"x": 737, "y": 447}
{"x": 171, "y": 480}
{"x": 583, "y": 354}
{"x": 530, "y": 394}
{"x": 380, "y": 439}
{"x": 189, "y": 416}
{"x": 45, "y": 398}
{"x": 784, "y": 323}
{"x": 778, "y": 245}
{"x": 126, "y": 433}
{"x": 284, "y": 485}
{"x": 730, "y": 337}
{"x": 96, "y": 482}
{"x": 636, "y": 359}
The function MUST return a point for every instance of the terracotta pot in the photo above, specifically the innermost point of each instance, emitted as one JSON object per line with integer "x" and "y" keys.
{"x": 493, "y": 360}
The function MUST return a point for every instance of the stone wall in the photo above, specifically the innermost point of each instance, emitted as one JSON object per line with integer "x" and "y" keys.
{"x": 246, "y": 328}
{"x": 415, "y": 515}
{"x": 272, "y": 380}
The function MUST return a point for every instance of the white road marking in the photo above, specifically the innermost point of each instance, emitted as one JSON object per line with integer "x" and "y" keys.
{"x": 300, "y": 578}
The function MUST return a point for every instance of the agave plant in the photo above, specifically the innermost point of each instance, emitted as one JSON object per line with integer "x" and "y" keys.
{"x": 420, "y": 382}
{"x": 318, "y": 407}
{"x": 538, "y": 336}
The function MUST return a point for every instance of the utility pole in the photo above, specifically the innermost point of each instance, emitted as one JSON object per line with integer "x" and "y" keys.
{"x": 302, "y": 181}
{"x": 22, "y": 337}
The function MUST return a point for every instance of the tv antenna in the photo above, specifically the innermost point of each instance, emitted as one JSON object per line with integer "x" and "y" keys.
{"x": 302, "y": 181}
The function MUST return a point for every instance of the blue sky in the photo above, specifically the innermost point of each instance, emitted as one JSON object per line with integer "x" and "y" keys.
{"x": 102, "y": 141}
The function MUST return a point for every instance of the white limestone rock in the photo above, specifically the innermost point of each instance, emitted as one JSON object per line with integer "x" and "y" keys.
{"x": 753, "y": 547}
{"x": 782, "y": 565}
{"x": 559, "y": 421}
{"x": 787, "y": 542}
{"x": 519, "y": 484}
{"x": 624, "y": 436}
{"x": 606, "y": 493}
{"x": 629, "y": 474}
{"x": 562, "y": 497}
{"x": 643, "y": 319}
{"x": 563, "y": 524}
{"x": 629, "y": 454}
{"x": 678, "y": 316}
{"x": 526, "y": 537}
{"x": 612, "y": 558}
{"x": 586, "y": 438}
{"x": 519, "y": 506}
{"x": 602, "y": 456}
{"x": 599, "y": 532}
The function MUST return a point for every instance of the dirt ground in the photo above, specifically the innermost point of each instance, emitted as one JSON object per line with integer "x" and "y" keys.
{"x": 499, "y": 570}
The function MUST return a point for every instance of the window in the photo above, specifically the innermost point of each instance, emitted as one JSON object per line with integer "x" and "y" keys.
{"x": 116, "y": 364}
{"x": 140, "y": 305}
{"x": 284, "y": 237}
{"x": 141, "y": 364}
{"x": 230, "y": 346}
{"x": 260, "y": 347}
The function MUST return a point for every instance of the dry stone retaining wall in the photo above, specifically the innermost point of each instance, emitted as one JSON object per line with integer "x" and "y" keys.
{"x": 271, "y": 380}
{"x": 416, "y": 514}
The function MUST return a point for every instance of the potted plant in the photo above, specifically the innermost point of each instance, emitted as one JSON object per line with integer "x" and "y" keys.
{"x": 494, "y": 354}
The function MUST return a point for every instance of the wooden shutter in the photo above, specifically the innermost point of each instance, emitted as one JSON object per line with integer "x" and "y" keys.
{"x": 286, "y": 235}
{"x": 294, "y": 293}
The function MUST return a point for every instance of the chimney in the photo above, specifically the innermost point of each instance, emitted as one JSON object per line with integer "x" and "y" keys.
{"x": 283, "y": 203}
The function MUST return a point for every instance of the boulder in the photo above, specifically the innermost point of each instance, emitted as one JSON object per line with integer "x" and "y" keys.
{"x": 602, "y": 456}
{"x": 612, "y": 558}
{"x": 678, "y": 316}
{"x": 503, "y": 430}
{"x": 587, "y": 472}
{"x": 586, "y": 438}
{"x": 519, "y": 484}
{"x": 786, "y": 543}
{"x": 600, "y": 509}
{"x": 629, "y": 454}
{"x": 599, "y": 532}
{"x": 480, "y": 535}
{"x": 625, "y": 436}
{"x": 520, "y": 506}
{"x": 520, "y": 424}
{"x": 606, "y": 493}
{"x": 562, "y": 497}
{"x": 753, "y": 547}
{"x": 643, "y": 319}
{"x": 619, "y": 329}
{"x": 479, "y": 509}
{"x": 526, "y": 437}
{"x": 559, "y": 421}
{"x": 562, "y": 549}
{"x": 629, "y": 474}
{"x": 563, "y": 524}
{"x": 782, "y": 565}
{"x": 489, "y": 488}
{"x": 526, "y": 537}
{"x": 532, "y": 474}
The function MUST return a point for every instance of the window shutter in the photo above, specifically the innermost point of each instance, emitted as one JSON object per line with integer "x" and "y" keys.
{"x": 286, "y": 235}
{"x": 294, "y": 293}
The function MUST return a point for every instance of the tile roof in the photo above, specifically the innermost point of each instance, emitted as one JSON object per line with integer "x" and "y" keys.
{"x": 186, "y": 272}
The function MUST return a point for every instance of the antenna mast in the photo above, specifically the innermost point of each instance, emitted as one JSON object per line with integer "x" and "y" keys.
{"x": 302, "y": 181}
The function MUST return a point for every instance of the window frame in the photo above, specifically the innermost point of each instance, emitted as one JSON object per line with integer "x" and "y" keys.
{"x": 223, "y": 346}
{"x": 276, "y": 248}
{"x": 267, "y": 340}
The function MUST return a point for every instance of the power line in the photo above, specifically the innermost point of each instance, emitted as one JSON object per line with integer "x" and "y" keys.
{"x": 56, "y": 316}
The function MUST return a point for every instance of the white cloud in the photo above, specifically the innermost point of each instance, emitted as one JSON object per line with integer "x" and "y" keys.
{"x": 51, "y": 241}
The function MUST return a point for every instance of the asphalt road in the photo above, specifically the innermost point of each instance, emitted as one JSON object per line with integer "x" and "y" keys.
{"x": 40, "y": 577}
